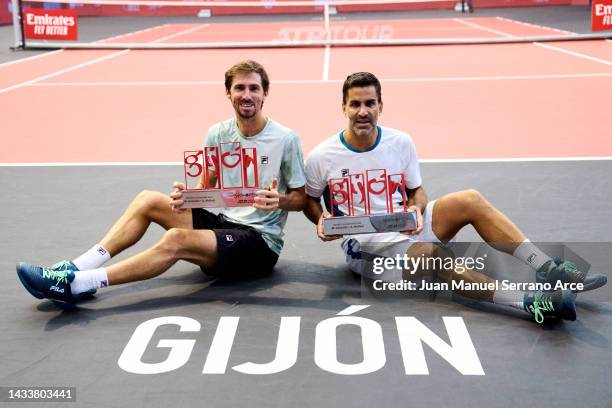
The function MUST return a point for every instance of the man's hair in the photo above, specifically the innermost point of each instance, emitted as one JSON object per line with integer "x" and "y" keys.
{"x": 360, "y": 80}
{"x": 246, "y": 67}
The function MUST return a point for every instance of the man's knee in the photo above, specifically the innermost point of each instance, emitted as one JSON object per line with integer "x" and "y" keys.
{"x": 189, "y": 244}
{"x": 467, "y": 203}
{"x": 148, "y": 201}
{"x": 471, "y": 197}
{"x": 173, "y": 241}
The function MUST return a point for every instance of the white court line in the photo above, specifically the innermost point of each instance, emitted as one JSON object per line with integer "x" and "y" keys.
{"x": 326, "y": 57}
{"x": 56, "y": 73}
{"x": 43, "y": 54}
{"x": 534, "y": 25}
{"x": 319, "y": 81}
{"x": 144, "y": 30}
{"x": 89, "y": 164}
{"x": 520, "y": 159}
{"x": 187, "y": 31}
{"x": 96, "y": 60}
{"x": 178, "y": 163}
{"x": 574, "y": 53}
{"x": 478, "y": 26}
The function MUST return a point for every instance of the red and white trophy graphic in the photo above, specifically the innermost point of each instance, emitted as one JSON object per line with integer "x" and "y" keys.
{"x": 357, "y": 193}
{"x": 220, "y": 176}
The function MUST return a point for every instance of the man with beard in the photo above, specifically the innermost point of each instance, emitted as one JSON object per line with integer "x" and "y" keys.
{"x": 239, "y": 242}
{"x": 365, "y": 145}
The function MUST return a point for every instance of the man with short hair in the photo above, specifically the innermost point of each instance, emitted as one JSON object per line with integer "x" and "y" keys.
{"x": 365, "y": 145}
{"x": 241, "y": 241}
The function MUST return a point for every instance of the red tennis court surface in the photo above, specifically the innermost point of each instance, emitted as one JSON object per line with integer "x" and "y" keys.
{"x": 458, "y": 101}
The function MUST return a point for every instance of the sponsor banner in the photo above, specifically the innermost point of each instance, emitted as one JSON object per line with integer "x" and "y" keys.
{"x": 50, "y": 24}
{"x": 601, "y": 15}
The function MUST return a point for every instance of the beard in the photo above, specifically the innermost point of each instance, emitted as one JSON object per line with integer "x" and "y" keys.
{"x": 252, "y": 111}
{"x": 362, "y": 132}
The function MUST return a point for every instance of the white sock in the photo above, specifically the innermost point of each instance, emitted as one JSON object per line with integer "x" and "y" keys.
{"x": 92, "y": 259}
{"x": 532, "y": 255}
{"x": 85, "y": 281}
{"x": 512, "y": 298}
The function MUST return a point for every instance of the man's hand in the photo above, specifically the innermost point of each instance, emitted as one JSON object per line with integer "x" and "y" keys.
{"x": 176, "y": 197}
{"x": 320, "y": 233}
{"x": 419, "y": 219}
{"x": 269, "y": 199}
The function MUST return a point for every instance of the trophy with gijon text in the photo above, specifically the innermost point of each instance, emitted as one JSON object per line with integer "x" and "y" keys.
{"x": 358, "y": 193}
{"x": 220, "y": 176}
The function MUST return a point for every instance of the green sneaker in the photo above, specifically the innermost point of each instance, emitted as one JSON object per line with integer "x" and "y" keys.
{"x": 567, "y": 272}
{"x": 554, "y": 305}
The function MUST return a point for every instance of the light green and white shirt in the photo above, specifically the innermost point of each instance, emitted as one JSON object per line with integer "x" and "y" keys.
{"x": 279, "y": 155}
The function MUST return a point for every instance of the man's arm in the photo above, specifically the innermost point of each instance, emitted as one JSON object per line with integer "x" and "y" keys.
{"x": 418, "y": 198}
{"x": 270, "y": 199}
{"x": 313, "y": 209}
{"x": 417, "y": 202}
{"x": 314, "y": 212}
{"x": 293, "y": 200}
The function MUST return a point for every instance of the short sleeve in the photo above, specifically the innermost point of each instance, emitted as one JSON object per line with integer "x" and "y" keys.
{"x": 292, "y": 165}
{"x": 412, "y": 167}
{"x": 316, "y": 180}
{"x": 212, "y": 136}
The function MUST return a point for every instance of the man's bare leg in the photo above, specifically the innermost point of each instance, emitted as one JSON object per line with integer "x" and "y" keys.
{"x": 196, "y": 246}
{"x": 431, "y": 250}
{"x": 456, "y": 210}
{"x": 538, "y": 304}
{"x": 147, "y": 207}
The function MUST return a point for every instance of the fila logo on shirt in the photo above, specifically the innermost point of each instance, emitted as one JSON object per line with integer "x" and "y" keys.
{"x": 345, "y": 172}
{"x": 264, "y": 160}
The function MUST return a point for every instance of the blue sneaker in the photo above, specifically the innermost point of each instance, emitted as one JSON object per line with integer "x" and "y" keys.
{"x": 68, "y": 266}
{"x": 550, "y": 305}
{"x": 47, "y": 283}
{"x": 567, "y": 272}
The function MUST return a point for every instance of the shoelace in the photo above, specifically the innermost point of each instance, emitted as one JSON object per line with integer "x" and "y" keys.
{"x": 58, "y": 276}
{"x": 62, "y": 266}
{"x": 541, "y": 304}
{"x": 571, "y": 268}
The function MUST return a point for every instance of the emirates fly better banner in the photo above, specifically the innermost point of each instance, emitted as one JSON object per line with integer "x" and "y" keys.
{"x": 601, "y": 15}
{"x": 50, "y": 24}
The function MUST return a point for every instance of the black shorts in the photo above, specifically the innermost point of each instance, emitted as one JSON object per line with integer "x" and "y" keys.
{"x": 241, "y": 250}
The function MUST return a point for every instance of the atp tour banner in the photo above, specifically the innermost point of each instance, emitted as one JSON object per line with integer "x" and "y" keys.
{"x": 50, "y": 24}
{"x": 601, "y": 15}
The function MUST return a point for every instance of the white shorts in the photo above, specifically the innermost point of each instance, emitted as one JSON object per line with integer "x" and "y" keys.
{"x": 360, "y": 250}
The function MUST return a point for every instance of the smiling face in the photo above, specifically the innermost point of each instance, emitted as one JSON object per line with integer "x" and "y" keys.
{"x": 362, "y": 108}
{"x": 247, "y": 95}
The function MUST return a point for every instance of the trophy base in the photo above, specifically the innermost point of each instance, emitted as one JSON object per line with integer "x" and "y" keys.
{"x": 230, "y": 197}
{"x": 369, "y": 224}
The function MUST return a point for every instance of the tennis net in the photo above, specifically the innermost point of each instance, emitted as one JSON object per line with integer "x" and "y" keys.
{"x": 141, "y": 24}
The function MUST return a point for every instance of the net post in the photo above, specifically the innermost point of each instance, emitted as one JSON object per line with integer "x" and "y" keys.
{"x": 17, "y": 25}
{"x": 326, "y": 19}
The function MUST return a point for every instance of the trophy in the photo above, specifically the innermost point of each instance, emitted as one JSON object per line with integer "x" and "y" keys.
{"x": 220, "y": 176}
{"x": 357, "y": 192}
